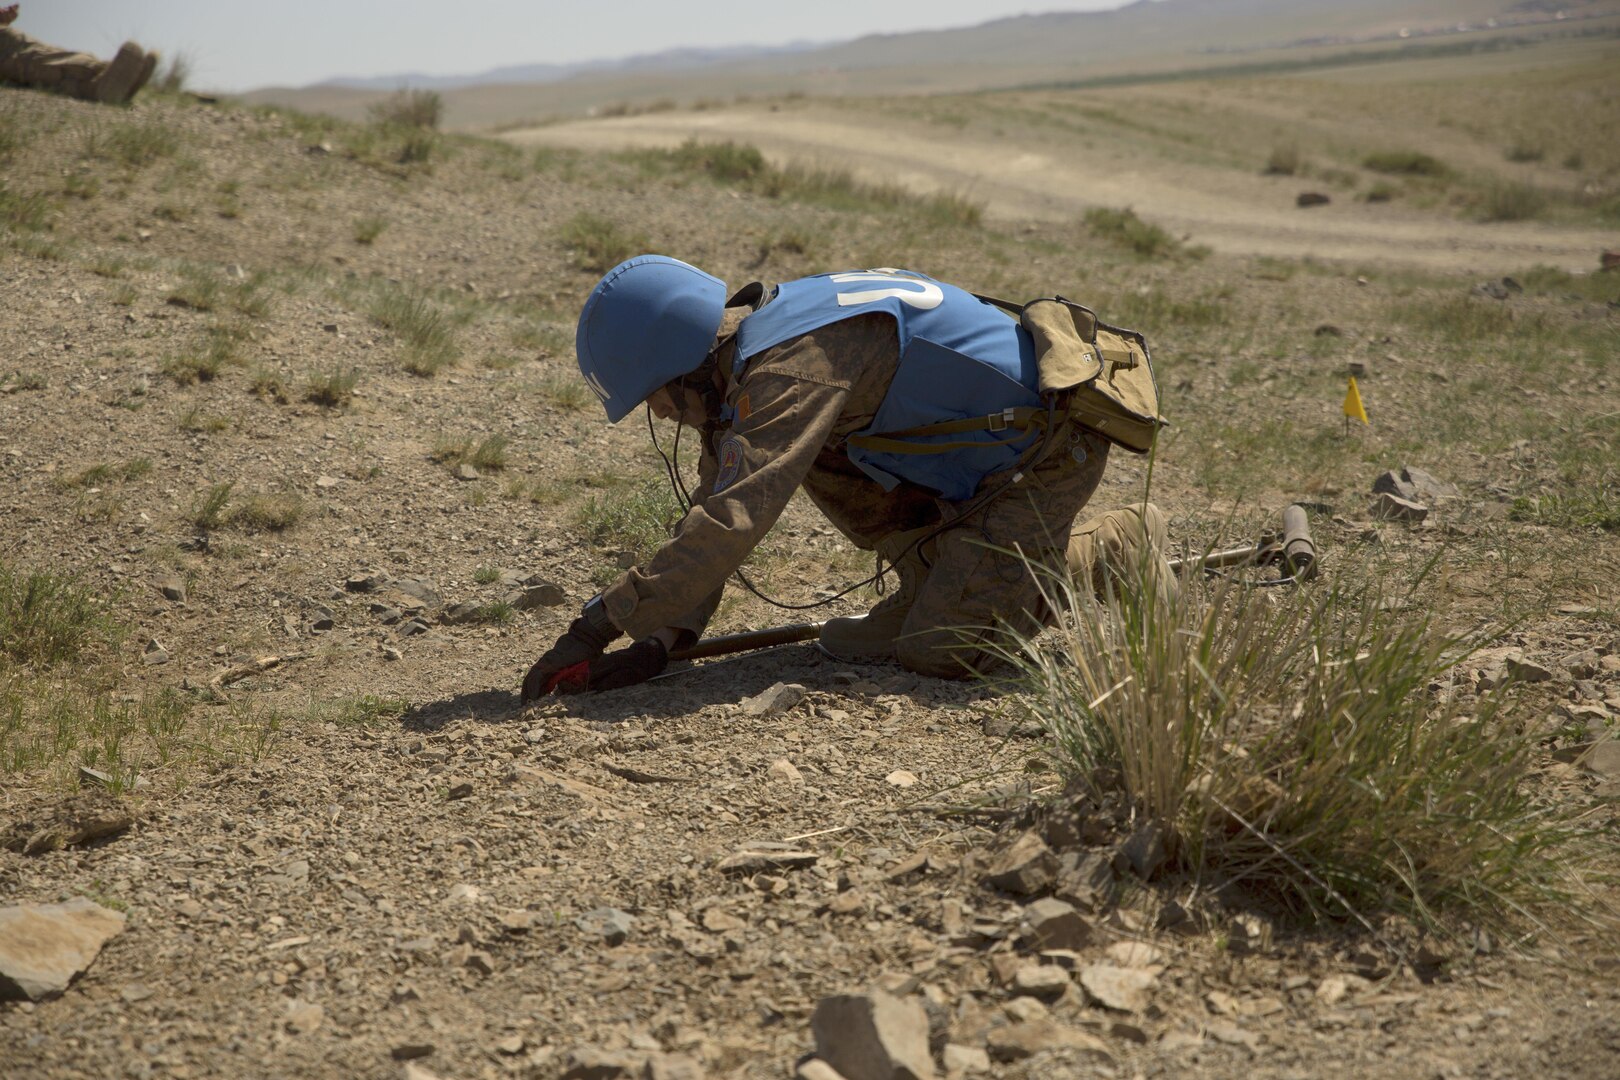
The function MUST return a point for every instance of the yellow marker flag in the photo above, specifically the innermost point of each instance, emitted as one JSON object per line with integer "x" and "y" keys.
{"x": 1352, "y": 404}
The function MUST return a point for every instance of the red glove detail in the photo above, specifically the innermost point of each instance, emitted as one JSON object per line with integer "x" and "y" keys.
{"x": 570, "y": 680}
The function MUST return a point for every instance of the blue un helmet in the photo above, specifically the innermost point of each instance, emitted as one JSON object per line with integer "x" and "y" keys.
{"x": 648, "y": 322}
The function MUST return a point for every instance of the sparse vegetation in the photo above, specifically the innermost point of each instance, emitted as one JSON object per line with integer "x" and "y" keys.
{"x": 1125, "y": 230}
{"x": 598, "y": 244}
{"x": 421, "y": 326}
{"x": 1405, "y": 163}
{"x": 742, "y": 165}
{"x": 1525, "y": 151}
{"x": 331, "y": 389}
{"x": 635, "y": 522}
{"x": 47, "y": 618}
{"x": 409, "y": 108}
{"x": 29, "y": 212}
{"x": 1296, "y": 745}
{"x": 1507, "y": 201}
{"x": 1285, "y": 160}
{"x": 565, "y": 392}
{"x": 368, "y": 228}
{"x": 487, "y": 454}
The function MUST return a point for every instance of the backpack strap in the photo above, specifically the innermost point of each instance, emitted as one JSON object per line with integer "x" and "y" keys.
{"x": 1024, "y": 421}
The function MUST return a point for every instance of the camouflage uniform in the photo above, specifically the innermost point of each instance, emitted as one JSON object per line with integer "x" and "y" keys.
{"x": 794, "y": 406}
{"x": 27, "y": 62}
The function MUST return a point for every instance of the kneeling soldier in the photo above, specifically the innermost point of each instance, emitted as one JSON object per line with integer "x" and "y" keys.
{"x": 906, "y": 408}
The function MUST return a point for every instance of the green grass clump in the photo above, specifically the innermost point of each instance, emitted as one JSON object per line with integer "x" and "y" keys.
{"x": 133, "y": 143}
{"x": 30, "y": 212}
{"x": 273, "y": 512}
{"x": 1291, "y": 744}
{"x": 1593, "y": 506}
{"x": 364, "y": 710}
{"x": 1525, "y": 151}
{"x": 208, "y": 510}
{"x": 408, "y": 108}
{"x": 1405, "y": 163}
{"x": 1123, "y": 229}
{"x": 331, "y": 389}
{"x": 637, "y": 521}
{"x": 598, "y": 244}
{"x": 422, "y": 327}
{"x": 488, "y": 454}
{"x": 741, "y": 165}
{"x": 1285, "y": 160}
{"x": 47, "y": 619}
{"x": 1506, "y": 201}
{"x": 368, "y": 228}
{"x": 565, "y": 392}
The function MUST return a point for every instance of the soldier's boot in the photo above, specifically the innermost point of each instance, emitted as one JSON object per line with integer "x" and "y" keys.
{"x": 871, "y": 637}
{"x": 126, "y": 74}
{"x": 1119, "y": 548}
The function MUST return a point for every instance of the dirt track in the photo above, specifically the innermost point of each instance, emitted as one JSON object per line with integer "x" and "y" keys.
{"x": 1231, "y": 212}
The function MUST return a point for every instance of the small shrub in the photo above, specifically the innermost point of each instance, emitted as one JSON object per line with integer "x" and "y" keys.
{"x": 488, "y": 454}
{"x": 81, "y": 186}
{"x": 1525, "y": 151}
{"x": 362, "y": 711}
{"x": 208, "y": 511}
{"x": 1292, "y": 743}
{"x": 1285, "y": 160}
{"x": 197, "y": 422}
{"x": 47, "y": 618}
{"x": 1405, "y": 163}
{"x": 331, "y": 389}
{"x": 200, "y": 289}
{"x": 409, "y": 108}
{"x": 1505, "y": 201}
{"x": 1124, "y": 229}
{"x": 368, "y": 228}
{"x": 132, "y": 143}
{"x": 267, "y": 513}
{"x": 598, "y": 244}
{"x": 566, "y": 393}
{"x": 1575, "y": 160}
{"x": 421, "y": 326}
{"x": 29, "y": 212}
{"x": 1594, "y": 507}
{"x": 486, "y": 575}
{"x": 1381, "y": 192}
{"x": 174, "y": 76}
{"x": 269, "y": 384}
{"x": 637, "y": 521}
{"x": 417, "y": 147}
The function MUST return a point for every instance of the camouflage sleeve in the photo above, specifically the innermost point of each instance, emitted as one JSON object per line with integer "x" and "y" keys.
{"x": 693, "y": 623}
{"x": 789, "y": 405}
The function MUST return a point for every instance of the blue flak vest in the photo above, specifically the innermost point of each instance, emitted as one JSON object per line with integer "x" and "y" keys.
{"x": 959, "y": 357}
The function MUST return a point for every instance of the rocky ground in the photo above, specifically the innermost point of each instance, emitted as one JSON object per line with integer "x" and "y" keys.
{"x": 343, "y": 848}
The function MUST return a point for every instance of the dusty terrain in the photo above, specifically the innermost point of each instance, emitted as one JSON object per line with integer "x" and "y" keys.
{"x": 369, "y": 853}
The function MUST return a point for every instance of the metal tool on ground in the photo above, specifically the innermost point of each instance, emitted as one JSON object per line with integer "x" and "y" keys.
{"x": 1293, "y": 552}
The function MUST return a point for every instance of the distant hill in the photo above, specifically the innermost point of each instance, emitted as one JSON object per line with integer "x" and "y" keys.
{"x": 1150, "y": 36}
{"x": 667, "y": 60}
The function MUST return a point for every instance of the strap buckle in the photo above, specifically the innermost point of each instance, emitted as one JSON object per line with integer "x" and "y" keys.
{"x": 1003, "y": 420}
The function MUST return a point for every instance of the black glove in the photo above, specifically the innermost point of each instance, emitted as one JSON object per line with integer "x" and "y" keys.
{"x": 584, "y": 642}
{"x": 627, "y": 667}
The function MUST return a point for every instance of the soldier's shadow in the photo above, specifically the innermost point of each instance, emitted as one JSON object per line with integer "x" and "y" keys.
{"x": 682, "y": 692}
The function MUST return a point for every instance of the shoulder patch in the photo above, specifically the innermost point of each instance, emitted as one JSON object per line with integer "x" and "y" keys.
{"x": 731, "y": 456}
{"x": 745, "y": 407}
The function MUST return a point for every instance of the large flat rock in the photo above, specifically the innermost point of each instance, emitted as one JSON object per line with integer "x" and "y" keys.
{"x": 44, "y": 947}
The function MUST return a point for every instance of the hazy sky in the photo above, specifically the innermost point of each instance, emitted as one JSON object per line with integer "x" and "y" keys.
{"x": 241, "y": 44}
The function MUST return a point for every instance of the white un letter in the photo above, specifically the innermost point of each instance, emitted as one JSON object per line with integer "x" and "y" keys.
{"x": 922, "y": 295}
